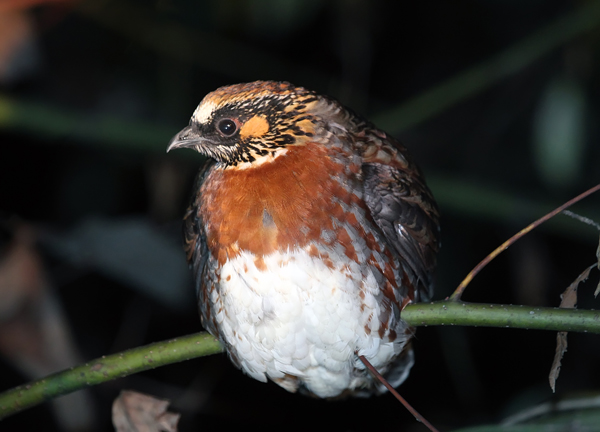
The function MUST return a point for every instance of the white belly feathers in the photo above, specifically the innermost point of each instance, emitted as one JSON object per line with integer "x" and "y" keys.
{"x": 299, "y": 321}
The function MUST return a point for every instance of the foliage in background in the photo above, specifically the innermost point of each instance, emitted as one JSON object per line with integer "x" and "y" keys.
{"x": 496, "y": 100}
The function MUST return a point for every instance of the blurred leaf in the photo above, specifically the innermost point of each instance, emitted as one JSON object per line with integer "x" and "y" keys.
{"x": 26, "y": 4}
{"x": 570, "y": 414}
{"x": 568, "y": 300}
{"x": 34, "y": 333}
{"x": 18, "y": 50}
{"x": 17, "y": 54}
{"x": 561, "y": 348}
{"x": 559, "y": 133}
{"x": 137, "y": 412}
{"x": 132, "y": 251}
{"x": 569, "y": 297}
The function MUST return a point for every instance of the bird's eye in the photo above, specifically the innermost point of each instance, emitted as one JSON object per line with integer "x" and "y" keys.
{"x": 227, "y": 127}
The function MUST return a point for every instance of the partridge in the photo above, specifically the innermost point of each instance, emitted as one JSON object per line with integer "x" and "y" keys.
{"x": 309, "y": 231}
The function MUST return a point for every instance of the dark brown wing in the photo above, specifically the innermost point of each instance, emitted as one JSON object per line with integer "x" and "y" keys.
{"x": 403, "y": 208}
{"x": 194, "y": 238}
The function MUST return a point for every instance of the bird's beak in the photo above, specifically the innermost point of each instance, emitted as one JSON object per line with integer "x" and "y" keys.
{"x": 186, "y": 138}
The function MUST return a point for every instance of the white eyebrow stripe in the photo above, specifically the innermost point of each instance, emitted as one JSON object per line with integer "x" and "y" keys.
{"x": 204, "y": 112}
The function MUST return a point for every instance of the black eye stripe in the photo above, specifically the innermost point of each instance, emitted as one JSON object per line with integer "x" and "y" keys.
{"x": 227, "y": 127}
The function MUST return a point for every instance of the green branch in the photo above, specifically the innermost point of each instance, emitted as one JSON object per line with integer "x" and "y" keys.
{"x": 497, "y": 315}
{"x": 107, "y": 368}
{"x": 201, "y": 344}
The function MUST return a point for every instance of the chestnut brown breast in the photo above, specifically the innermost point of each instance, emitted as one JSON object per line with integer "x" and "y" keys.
{"x": 281, "y": 204}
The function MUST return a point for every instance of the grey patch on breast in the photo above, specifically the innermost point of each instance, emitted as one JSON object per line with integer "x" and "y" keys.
{"x": 327, "y": 236}
{"x": 267, "y": 220}
{"x": 305, "y": 230}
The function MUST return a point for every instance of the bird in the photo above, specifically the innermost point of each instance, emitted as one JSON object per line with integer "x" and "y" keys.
{"x": 309, "y": 230}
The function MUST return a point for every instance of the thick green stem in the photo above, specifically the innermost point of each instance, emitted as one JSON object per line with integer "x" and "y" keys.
{"x": 498, "y": 315}
{"x": 162, "y": 353}
{"x": 107, "y": 368}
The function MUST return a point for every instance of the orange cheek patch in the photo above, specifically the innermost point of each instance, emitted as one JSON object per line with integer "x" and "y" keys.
{"x": 255, "y": 127}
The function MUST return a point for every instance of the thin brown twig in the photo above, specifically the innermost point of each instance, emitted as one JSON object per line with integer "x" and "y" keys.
{"x": 393, "y": 391}
{"x": 466, "y": 281}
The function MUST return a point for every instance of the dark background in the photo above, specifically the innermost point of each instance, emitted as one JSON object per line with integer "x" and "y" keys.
{"x": 91, "y": 92}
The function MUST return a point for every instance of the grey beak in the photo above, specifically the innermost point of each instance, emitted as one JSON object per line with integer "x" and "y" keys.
{"x": 186, "y": 138}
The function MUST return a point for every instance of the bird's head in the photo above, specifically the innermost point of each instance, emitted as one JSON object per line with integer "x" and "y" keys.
{"x": 250, "y": 123}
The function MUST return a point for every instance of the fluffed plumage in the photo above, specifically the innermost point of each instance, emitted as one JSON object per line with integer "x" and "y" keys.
{"x": 308, "y": 232}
